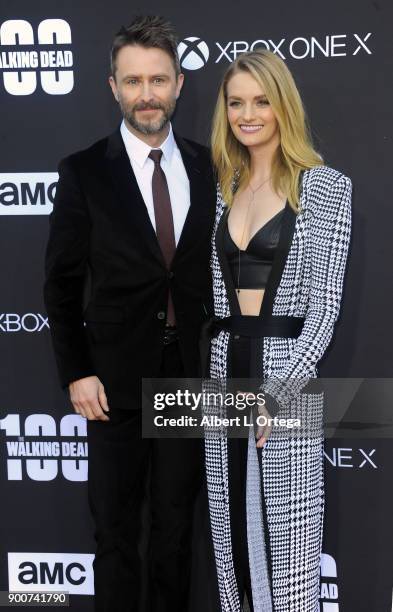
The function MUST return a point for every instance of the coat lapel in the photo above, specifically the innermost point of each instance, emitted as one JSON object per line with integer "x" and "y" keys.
{"x": 279, "y": 260}
{"x": 128, "y": 192}
{"x": 199, "y": 195}
{"x": 225, "y": 270}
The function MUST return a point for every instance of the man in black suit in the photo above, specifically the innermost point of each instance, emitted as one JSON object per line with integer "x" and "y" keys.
{"x": 132, "y": 222}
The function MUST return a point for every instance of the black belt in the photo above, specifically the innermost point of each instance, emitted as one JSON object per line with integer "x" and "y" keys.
{"x": 170, "y": 334}
{"x": 249, "y": 326}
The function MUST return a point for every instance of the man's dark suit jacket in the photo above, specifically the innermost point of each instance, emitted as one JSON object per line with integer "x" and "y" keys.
{"x": 104, "y": 267}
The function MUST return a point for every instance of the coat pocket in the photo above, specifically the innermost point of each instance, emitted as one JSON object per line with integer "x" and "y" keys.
{"x": 104, "y": 323}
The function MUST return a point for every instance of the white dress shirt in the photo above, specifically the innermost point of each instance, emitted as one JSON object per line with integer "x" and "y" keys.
{"x": 175, "y": 172}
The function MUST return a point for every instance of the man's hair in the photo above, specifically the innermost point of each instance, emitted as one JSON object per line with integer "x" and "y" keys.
{"x": 147, "y": 31}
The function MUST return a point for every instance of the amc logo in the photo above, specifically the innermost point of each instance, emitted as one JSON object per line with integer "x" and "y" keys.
{"x": 31, "y": 572}
{"x": 27, "y": 193}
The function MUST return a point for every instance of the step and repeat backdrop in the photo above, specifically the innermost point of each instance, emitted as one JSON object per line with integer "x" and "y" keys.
{"x": 55, "y": 99}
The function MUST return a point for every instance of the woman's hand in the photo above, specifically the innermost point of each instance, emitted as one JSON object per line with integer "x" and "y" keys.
{"x": 263, "y": 431}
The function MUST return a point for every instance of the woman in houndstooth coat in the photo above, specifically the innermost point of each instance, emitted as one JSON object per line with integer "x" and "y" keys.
{"x": 280, "y": 245}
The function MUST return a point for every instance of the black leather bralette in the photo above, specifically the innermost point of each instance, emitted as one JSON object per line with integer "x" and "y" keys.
{"x": 251, "y": 267}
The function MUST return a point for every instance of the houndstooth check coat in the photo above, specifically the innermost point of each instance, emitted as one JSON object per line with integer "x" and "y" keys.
{"x": 285, "y": 487}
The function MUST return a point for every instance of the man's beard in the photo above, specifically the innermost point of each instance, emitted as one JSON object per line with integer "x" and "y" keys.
{"x": 150, "y": 126}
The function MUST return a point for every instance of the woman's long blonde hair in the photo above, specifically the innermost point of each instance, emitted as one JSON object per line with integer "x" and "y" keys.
{"x": 296, "y": 151}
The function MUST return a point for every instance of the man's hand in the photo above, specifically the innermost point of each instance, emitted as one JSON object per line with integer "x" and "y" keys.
{"x": 88, "y": 398}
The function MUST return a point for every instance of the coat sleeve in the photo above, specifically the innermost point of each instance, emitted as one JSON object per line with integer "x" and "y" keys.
{"x": 65, "y": 276}
{"x": 330, "y": 239}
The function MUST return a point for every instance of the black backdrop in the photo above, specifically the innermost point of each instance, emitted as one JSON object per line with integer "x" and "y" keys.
{"x": 341, "y": 56}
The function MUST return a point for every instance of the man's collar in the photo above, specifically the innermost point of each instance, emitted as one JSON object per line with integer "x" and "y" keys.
{"x": 139, "y": 150}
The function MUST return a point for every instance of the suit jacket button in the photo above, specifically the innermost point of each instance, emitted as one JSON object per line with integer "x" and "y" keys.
{"x": 170, "y": 274}
{"x": 161, "y": 315}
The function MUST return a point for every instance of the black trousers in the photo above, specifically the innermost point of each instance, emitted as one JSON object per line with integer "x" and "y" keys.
{"x": 119, "y": 464}
{"x": 240, "y": 356}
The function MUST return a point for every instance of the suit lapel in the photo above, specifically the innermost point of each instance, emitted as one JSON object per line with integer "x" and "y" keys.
{"x": 198, "y": 195}
{"x": 128, "y": 192}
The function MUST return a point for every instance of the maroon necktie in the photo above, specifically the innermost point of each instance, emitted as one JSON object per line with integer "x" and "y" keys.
{"x": 164, "y": 220}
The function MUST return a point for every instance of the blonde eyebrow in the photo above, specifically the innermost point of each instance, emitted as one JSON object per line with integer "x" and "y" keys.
{"x": 255, "y": 97}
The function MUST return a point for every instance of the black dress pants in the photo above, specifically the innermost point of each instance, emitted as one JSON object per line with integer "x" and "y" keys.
{"x": 119, "y": 464}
